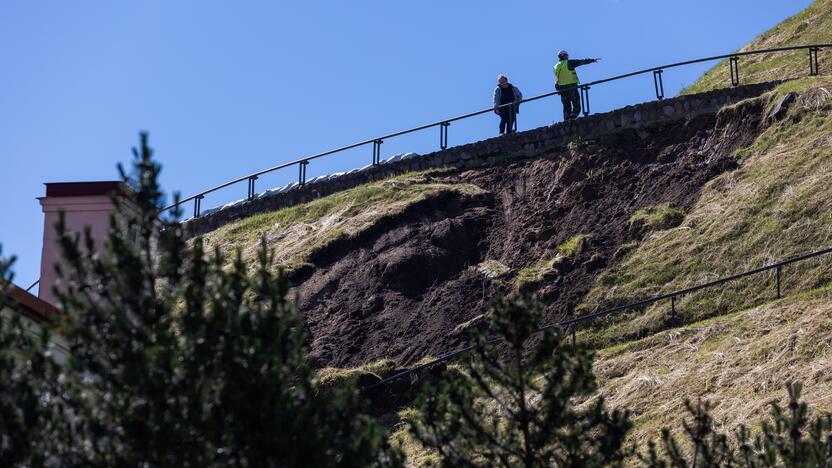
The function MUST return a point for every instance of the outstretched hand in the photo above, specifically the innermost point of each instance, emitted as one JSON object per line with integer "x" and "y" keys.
{"x": 596, "y": 60}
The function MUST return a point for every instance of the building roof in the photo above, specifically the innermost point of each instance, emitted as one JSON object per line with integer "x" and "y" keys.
{"x": 84, "y": 189}
{"x": 31, "y": 306}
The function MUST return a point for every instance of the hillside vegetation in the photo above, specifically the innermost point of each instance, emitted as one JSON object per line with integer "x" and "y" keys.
{"x": 734, "y": 345}
{"x": 739, "y": 362}
{"x": 299, "y": 231}
{"x": 611, "y": 222}
{"x": 813, "y": 25}
{"x": 776, "y": 205}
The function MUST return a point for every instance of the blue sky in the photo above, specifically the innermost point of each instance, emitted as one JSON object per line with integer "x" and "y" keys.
{"x": 228, "y": 88}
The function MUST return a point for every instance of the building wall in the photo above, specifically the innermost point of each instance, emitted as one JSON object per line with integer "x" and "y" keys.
{"x": 84, "y": 210}
{"x": 34, "y": 319}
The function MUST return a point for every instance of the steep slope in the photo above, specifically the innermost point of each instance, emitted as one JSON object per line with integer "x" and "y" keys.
{"x": 775, "y": 205}
{"x": 813, "y": 25}
{"x": 300, "y": 232}
{"x": 399, "y": 269}
{"x": 739, "y": 362}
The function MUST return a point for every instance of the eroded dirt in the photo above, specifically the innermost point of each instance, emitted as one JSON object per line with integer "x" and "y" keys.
{"x": 409, "y": 287}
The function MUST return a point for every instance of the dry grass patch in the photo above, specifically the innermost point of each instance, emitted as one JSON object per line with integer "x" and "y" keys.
{"x": 492, "y": 269}
{"x": 813, "y": 25}
{"x": 332, "y": 376}
{"x": 739, "y": 362}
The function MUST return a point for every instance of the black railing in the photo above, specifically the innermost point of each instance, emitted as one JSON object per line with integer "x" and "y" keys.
{"x": 33, "y": 285}
{"x": 443, "y": 124}
{"x": 571, "y": 323}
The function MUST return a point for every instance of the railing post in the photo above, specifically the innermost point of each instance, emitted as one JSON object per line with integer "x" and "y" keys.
{"x": 251, "y": 187}
{"x": 197, "y": 205}
{"x": 673, "y": 309}
{"x": 813, "y": 61}
{"x": 734, "y": 65}
{"x": 585, "y": 99}
{"x": 777, "y": 274}
{"x": 302, "y": 172}
{"x": 377, "y": 152}
{"x": 657, "y": 82}
{"x": 443, "y": 134}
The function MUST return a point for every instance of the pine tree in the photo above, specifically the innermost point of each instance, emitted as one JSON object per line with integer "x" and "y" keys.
{"x": 178, "y": 358}
{"x": 788, "y": 438}
{"x": 510, "y": 406}
{"x": 26, "y": 382}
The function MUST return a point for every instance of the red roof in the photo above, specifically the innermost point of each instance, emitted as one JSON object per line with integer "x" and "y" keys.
{"x": 31, "y": 306}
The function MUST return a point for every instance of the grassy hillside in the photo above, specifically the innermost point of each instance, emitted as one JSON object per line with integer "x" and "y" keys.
{"x": 778, "y": 204}
{"x": 735, "y": 346}
{"x": 813, "y": 25}
{"x": 296, "y": 232}
{"x": 740, "y": 362}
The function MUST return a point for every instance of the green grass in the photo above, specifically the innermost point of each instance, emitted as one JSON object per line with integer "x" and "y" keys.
{"x": 571, "y": 245}
{"x": 296, "y": 232}
{"x": 578, "y": 142}
{"x": 778, "y": 204}
{"x": 537, "y": 271}
{"x": 534, "y": 273}
{"x": 813, "y": 25}
{"x": 659, "y": 217}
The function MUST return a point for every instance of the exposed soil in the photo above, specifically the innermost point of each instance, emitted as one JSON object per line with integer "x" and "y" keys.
{"x": 407, "y": 288}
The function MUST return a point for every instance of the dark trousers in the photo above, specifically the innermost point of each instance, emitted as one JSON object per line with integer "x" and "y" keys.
{"x": 571, "y": 100}
{"x": 508, "y": 119}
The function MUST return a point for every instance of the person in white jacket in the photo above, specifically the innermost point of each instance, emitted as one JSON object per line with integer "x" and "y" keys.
{"x": 508, "y": 96}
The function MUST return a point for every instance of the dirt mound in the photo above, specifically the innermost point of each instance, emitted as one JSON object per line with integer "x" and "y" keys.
{"x": 410, "y": 287}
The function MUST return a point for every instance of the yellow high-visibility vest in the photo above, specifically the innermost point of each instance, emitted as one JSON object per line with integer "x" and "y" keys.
{"x": 564, "y": 76}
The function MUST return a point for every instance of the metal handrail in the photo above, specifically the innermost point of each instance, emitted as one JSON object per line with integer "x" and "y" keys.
{"x": 633, "y": 305}
{"x": 657, "y": 77}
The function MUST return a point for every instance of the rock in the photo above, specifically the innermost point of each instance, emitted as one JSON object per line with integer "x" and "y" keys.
{"x": 287, "y": 187}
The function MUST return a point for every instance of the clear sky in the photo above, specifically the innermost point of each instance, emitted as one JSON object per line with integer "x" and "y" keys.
{"x": 228, "y": 88}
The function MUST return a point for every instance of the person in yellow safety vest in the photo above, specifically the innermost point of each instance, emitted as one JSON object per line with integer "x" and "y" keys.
{"x": 566, "y": 82}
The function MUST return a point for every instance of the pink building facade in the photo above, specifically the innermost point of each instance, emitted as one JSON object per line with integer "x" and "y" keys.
{"x": 86, "y": 205}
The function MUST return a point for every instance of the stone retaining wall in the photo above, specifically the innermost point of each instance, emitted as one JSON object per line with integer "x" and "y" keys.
{"x": 493, "y": 150}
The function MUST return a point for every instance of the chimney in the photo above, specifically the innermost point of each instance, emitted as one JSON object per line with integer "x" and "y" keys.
{"x": 84, "y": 204}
